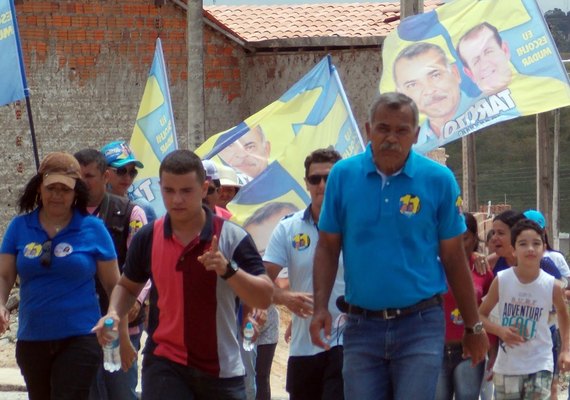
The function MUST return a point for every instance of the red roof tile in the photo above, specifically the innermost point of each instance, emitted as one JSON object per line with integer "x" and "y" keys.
{"x": 257, "y": 23}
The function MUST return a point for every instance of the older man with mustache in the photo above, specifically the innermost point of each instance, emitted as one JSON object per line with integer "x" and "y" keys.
{"x": 422, "y": 72}
{"x": 396, "y": 216}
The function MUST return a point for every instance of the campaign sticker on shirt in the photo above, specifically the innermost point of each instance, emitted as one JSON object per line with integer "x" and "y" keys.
{"x": 456, "y": 317}
{"x": 301, "y": 241}
{"x": 62, "y": 250}
{"x": 134, "y": 226}
{"x": 459, "y": 204}
{"x": 33, "y": 250}
{"x": 409, "y": 205}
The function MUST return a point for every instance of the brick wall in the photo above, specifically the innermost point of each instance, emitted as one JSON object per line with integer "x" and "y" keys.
{"x": 87, "y": 62}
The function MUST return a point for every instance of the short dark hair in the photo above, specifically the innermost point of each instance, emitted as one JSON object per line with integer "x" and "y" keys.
{"x": 181, "y": 162}
{"x": 328, "y": 155}
{"x": 30, "y": 197}
{"x": 509, "y": 217}
{"x": 415, "y": 50}
{"x": 394, "y": 101}
{"x": 525, "y": 225}
{"x": 88, "y": 156}
{"x": 472, "y": 32}
{"x": 267, "y": 211}
{"x": 472, "y": 227}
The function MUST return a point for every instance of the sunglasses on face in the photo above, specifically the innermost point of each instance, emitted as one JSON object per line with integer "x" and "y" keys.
{"x": 122, "y": 171}
{"x": 212, "y": 190}
{"x": 316, "y": 179}
{"x": 45, "y": 258}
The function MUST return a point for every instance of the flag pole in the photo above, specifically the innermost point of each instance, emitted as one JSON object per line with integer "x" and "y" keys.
{"x": 26, "y": 88}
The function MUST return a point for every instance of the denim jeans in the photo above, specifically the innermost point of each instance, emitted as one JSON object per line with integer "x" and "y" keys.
{"x": 59, "y": 369}
{"x": 117, "y": 385}
{"x": 393, "y": 359}
{"x": 458, "y": 377}
{"x": 164, "y": 379}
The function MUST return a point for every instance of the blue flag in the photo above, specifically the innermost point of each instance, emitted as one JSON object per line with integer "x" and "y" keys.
{"x": 154, "y": 134}
{"x": 12, "y": 76}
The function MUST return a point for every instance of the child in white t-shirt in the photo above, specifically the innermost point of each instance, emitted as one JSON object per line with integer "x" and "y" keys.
{"x": 525, "y": 295}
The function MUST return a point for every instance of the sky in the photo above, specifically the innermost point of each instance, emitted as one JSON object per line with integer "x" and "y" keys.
{"x": 544, "y": 5}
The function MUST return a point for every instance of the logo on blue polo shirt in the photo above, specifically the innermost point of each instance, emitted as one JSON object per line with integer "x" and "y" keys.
{"x": 301, "y": 241}
{"x": 409, "y": 205}
{"x": 33, "y": 250}
{"x": 459, "y": 204}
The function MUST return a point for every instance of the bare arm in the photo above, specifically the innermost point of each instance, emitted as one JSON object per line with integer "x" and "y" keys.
{"x": 108, "y": 273}
{"x": 453, "y": 257}
{"x": 7, "y": 278}
{"x": 563, "y": 324}
{"x": 325, "y": 268}
{"x": 124, "y": 295}
{"x": 298, "y": 302}
{"x": 507, "y": 334}
{"x": 255, "y": 291}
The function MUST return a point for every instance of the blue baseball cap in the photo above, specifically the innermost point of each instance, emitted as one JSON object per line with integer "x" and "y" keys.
{"x": 118, "y": 154}
{"x": 536, "y": 216}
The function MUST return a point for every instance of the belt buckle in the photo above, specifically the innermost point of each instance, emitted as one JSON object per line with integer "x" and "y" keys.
{"x": 386, "y": 314}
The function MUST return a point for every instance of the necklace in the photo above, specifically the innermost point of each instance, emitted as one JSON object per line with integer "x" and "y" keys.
{"x": 53, "y": 227}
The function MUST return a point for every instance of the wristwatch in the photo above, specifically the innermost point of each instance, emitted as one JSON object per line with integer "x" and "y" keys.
{"x": 231, "y": 269}
{"x": 475, "y": 330}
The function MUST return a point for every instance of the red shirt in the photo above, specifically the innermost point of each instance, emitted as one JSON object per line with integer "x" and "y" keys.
{"x": 453, "y": 320}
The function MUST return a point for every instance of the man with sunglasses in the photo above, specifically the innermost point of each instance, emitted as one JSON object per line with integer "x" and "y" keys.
{"x": 396, "y": 215}
{"x": 122, "y": 166}
{"x": 312, "y": 372}
{"x": 122, "y": 219}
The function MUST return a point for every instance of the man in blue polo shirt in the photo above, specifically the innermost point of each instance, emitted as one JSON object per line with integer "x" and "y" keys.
{"x": 396, "y": 216}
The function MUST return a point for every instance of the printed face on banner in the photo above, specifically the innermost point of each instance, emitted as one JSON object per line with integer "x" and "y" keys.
{"x": 249, "y": 154}
{"x": 423, "y": 73}
{"x": 486, "y": 58}
{"x": 470, "y": 64}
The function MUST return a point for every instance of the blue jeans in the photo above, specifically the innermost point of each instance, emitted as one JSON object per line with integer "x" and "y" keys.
{"x": 393, "y": 359}
{"x": 458, "y": 377}
{"x": 59, "y": 369}
{"x": 164, "y": 379}
{"x": 119, "y": 385}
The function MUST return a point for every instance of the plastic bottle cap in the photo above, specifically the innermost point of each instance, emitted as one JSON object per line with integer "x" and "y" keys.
{"x": 249, "y": 325}
{"x": 109, "y": 322}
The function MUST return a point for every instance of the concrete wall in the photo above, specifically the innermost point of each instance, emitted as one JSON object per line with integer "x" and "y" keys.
{"x": 269, "y": 75}
{"x": 87, "y": 62}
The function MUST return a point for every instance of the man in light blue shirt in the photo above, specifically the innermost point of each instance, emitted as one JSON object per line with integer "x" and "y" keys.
{"x": 312, "y": 372}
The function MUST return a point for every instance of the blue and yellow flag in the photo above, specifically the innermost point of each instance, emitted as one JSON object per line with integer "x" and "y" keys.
{"x": 154, "y": 135}
{"x": 268, "y": 149}
{"x": 12, "y": 73}
{"x": 470, "y": 64}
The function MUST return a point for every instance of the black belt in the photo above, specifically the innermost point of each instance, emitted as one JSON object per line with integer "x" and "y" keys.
{"x": 391, "y": 313}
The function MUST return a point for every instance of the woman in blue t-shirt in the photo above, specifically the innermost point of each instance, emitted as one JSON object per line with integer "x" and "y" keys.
{"x": 56, "y": 249}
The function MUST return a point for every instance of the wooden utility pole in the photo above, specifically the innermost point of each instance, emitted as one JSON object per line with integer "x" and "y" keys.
{"x": 196, "y": 108}
{"x": 470, "y": 201}
{"x": 555, "y": 189}
{"x": 410, "y": 7}
{"x": 544, "y": 169}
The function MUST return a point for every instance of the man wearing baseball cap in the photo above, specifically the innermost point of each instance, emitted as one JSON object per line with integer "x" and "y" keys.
{"x": 212, "y": 196}
{"x": 122, "y": 166}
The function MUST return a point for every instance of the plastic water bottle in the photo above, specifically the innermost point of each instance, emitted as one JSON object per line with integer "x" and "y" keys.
{"x": 248, "y": 333}
{"x": 111, "y": 353}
